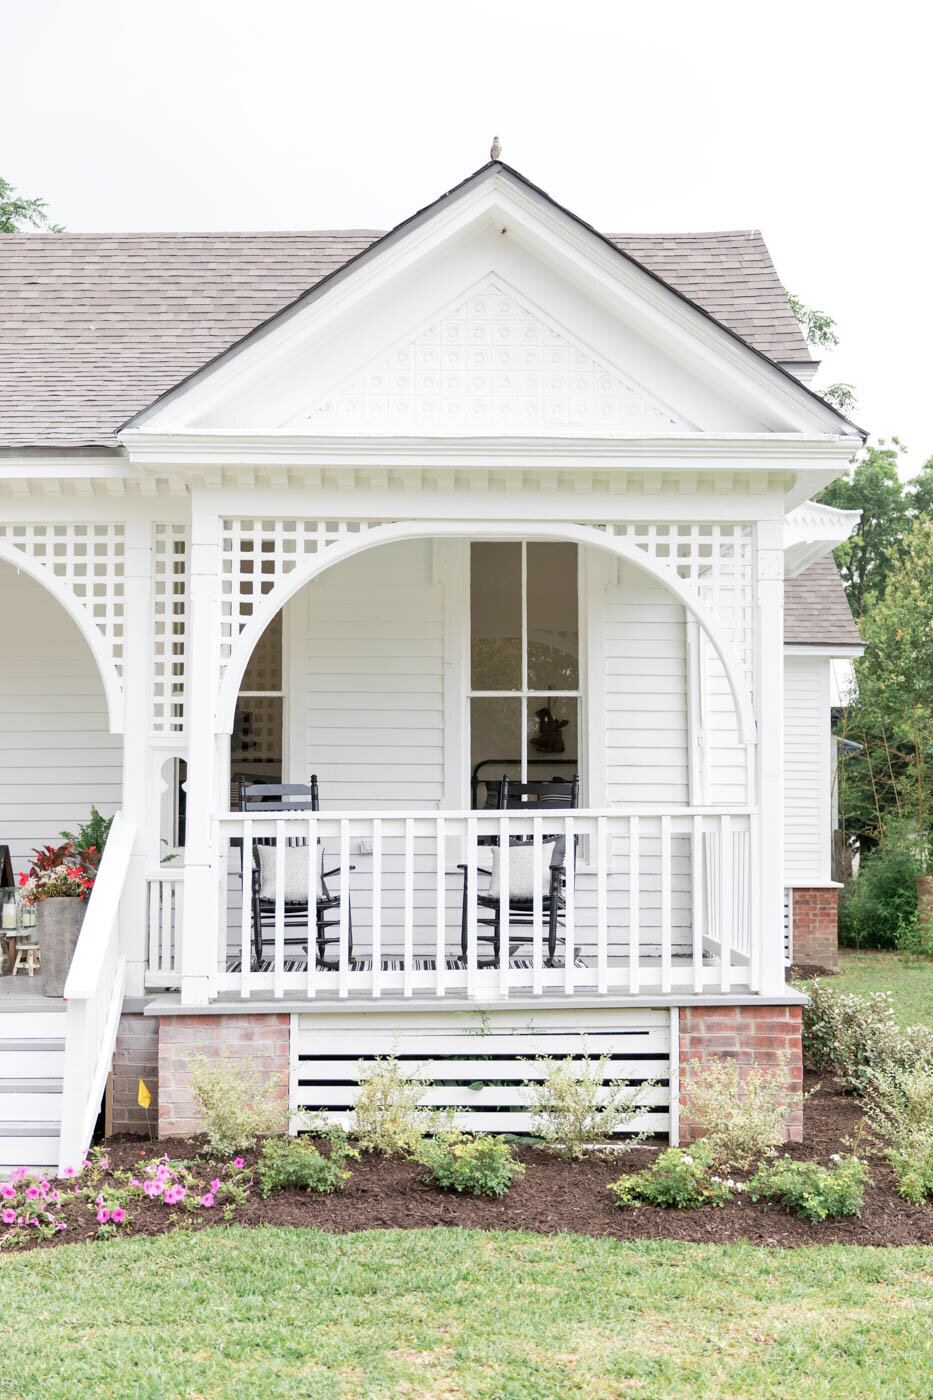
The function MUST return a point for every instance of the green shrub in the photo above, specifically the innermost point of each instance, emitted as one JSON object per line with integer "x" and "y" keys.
{"x": 387, "y": 1117}
{"x": 295, "y": 1161}
{"x": 814, "y": 1192}
{"x": 914, "y": 938}
{"x": 857, "y": 1036}
{"x": 881, "y": 898}
{"x": 681, "y": 1179}
{"x": 743, "y": 1119}
{"x": 573, "y": 1105}
{"x": 899, "y": 1107}
{"x": 235, "y": 1102}
{"x": 480, "y": 1166}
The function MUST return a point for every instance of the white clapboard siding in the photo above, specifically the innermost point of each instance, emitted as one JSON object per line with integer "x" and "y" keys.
{"x": 806, "y": 769}
{"x": 646, "y": 692}
{"x": 56, "y": 755}
{"x": 726, "y": 757}
{"x": 373, "y": 638}
{"x": 479, "y": 1069}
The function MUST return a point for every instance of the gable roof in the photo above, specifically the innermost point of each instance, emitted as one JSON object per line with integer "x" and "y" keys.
{"x": 816, "y": 609}
{"x": 96, "y": 327}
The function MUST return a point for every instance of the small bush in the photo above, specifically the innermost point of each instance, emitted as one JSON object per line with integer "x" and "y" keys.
{"x": 234, "y": 1101}
{"x": 899, "y": 1107}
{"x": 295, "y": 1161}
{"x": 882, "y": 897}
{"x": 573, "y": 1105}
{"x": 814, "y": 1192}
{"x": 743, "y": 1118}
{"x": 681, "y": 1179}
{"x": 387, "y": 1117}
{"x": 914, "y": 938}
{"x": 858, "y": 1037}
{"x": 479, "y": 1166}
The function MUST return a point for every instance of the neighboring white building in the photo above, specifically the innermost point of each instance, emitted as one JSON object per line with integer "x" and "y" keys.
{"x": 490, "y": 494}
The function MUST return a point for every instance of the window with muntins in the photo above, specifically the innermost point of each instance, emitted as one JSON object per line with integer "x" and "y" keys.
{"x": 525, "y": 694}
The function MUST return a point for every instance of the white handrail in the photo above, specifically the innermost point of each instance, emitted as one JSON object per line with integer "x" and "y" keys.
{"x": 94, "y": 996}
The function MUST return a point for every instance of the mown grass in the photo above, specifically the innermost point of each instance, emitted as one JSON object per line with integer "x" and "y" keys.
{"x": 234, "y": 1314}
{"x": 910, "y": 983}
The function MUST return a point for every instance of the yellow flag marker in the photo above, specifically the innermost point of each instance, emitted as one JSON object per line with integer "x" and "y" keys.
{"x": 143, "y": 1098}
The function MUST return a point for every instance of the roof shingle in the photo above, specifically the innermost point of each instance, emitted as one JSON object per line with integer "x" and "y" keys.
{"x": 95, "y": 327}
{"x": 816, "y": 609}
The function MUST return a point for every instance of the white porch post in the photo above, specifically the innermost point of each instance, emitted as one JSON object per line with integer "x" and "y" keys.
{"x": 138, "y": 802}
{"x": 200, "y": 931}
{"x": 769, "y": 621}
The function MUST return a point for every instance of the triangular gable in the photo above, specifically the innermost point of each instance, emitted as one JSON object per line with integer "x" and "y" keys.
{"x": 765, "y": 397}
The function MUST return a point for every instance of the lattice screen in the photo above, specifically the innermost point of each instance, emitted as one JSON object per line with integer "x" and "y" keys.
{"x": 257, "y": 554}
{"x": 170, "y": 587}
{"x": 718, "y": 562}
{"x": 86, "y": 560}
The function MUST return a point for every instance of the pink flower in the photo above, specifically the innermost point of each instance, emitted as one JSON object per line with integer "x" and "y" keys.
{"x": 17, "y": 1173}
{"x": 153, "y": 1188}
{"x": 7, "y": 1191}
{"x": 207, "y": 1200}
{"x": 134, "y": 1182}
{"x": 8, "y": 1217}
{"x": 215, "y": 1184}
{"x": 238, "y": 1163}
{"x": 69, "y": 1171}
{"x": 32, "y": 1193}
{"x": 105, "y": 1163}
{"x": 103, "y": 1216}
{"x": 118, "y": 1216}
{"x": 171, "y": 1196}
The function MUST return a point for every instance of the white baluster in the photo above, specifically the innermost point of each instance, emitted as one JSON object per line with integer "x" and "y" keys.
{"x": 634, "y": 948}
{"x": 505, "y": 886}
{"x": 246, "y": 908}
{"x": 471, "y": 905}
{"x": 696, "y": 901}
{"x": 278, "y": 970}
{"x": 569, "y": 910}
{"x": 537, "y": 931}
{"x": 377, "y": 907}
{"x": 440, "y": 908}
{"x": 315, "y": 864}
{"x": 727, "y": 911}
{"x": 665, "y": 904}
{"x": 343, "y": 973}
{"x": 602, "y": 910}
{"x": 409, "y": 914}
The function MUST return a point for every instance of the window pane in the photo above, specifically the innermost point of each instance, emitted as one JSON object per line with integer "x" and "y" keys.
{"x": 552, "y": 737}
{"x": 496, "y": 616}
{"x": 553, "y": 627}
{"x": 495, "y": 745}
{"x": 264, "y": 668}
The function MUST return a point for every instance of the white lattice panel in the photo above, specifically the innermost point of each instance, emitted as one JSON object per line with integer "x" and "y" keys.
{"x": 170, "y": 587}
{"x": 492, "y": 364}
{"x": 85, "y": 560}
{"x": 256, "y": 555}
{"x": 718, "y": 562}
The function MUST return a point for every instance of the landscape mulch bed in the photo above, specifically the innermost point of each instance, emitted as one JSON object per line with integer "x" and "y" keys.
{"x": 552, "y": 1197}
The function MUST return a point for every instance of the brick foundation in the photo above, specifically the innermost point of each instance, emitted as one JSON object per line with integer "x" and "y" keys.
{"x": 135, "y": 1057}
{"x": 261, "y": 1041}
{"x": 816, "y": 927}
{"x": 753, "y": 1035}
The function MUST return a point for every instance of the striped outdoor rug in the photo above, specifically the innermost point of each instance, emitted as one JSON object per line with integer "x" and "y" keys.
{"x": 388, "y": 965}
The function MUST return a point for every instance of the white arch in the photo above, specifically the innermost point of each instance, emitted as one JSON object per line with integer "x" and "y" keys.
{"x": 103, "y": 659}
{"x": 355, "y": 543}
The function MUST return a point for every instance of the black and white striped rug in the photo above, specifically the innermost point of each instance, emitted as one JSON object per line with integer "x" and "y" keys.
{"x": 389, "y": 965}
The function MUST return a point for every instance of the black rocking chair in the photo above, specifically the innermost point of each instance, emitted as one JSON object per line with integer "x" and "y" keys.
{"x": 290, "y": 797}
{"x": 532, "y": 796}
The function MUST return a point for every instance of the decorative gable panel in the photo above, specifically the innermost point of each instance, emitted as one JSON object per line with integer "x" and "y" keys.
{"x": 492, "y": 364}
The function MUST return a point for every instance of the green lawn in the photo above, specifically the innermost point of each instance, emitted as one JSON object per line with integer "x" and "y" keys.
{"x": 911, "y": 984}
{"x": 438, "y": 1314}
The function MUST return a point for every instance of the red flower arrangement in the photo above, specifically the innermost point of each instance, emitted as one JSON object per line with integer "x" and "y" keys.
{"x": 59, "y": 872}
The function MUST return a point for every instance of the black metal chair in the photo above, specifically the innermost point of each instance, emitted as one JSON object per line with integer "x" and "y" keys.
{"x": 532, "y": 796}
{"x": 290, "y": 797}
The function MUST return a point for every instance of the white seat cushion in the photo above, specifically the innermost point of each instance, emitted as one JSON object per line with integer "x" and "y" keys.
{"x": 296, "y": 874}
{"x": 521, "y": 871}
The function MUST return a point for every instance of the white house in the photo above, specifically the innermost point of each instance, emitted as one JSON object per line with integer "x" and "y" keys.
{"x": 490, "y": 495}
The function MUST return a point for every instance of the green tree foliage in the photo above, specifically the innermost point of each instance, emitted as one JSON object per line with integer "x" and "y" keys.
{"x": 874, "y": 487}
{"x": 820, "y": 330}
{"x": 18, "y": 213}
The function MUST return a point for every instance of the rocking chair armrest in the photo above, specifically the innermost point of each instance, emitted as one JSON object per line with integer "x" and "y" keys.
{"x": 480, "y": 869}
{"x": 335, "y": 871}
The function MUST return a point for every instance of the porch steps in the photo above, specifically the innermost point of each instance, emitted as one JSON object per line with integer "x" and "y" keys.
{"x": 32, "y": 1063}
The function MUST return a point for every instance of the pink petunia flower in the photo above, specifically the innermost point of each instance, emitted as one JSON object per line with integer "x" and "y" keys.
{"x": 69, "y": 1171}
{"x": 18, "y": 1173}
{"x": 8, "y": 1217}
{"x": 134, "y": 1182}
{"x": 153, "y": 1188}
{"x": 118, "y": 1215}
{"x": 215, "y": 1184}
{"x": 207, "y": 1200}
{"x": 103, "y": 1216}
{"x": 238, "y": 1163}
{"x": 32, "y": 1193}
{"x": 105, "y": 1163}
{"x": 7, "y": 1191}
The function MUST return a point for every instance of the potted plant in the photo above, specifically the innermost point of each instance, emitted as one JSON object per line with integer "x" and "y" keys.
{"x": 58, "y": 885}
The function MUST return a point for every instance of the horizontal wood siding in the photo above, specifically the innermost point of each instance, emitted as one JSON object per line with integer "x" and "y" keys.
{"x": 56, "y": 755}
{"x": 806, "y": 769}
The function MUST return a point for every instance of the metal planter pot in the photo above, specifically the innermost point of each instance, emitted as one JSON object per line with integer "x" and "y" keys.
{"x": 58, "y": 923}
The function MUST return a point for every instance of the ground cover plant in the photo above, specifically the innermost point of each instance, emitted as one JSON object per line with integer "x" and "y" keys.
{"x": 450, "y": 1313}
{"x": 295, "y": 1161}
{"x": 811, "y": 1190}
{"x": 681, "y": 1179}
{"x": 480, "y": 1166}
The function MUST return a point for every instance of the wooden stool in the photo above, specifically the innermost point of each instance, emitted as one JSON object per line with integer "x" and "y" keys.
{"x": 27, "y": 956}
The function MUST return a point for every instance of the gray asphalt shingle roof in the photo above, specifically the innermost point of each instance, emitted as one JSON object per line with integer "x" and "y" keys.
{"x": 95, "y": 327}
{"x": 816, "y": 609}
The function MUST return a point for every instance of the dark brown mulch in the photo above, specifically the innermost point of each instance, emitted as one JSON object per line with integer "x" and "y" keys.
{"x": 805, "y": 972}
{"x": 553, "y": 1197}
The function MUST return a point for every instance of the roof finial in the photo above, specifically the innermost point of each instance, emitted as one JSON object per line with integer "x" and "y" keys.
{"x": 495, "y": 150}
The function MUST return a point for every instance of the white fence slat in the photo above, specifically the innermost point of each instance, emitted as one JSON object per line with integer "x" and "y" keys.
{"x": 696, "y": 891}
{"x": 471, "y": 905}
{"x": 570, "y": 898}
{"x": 726, "y": 913}
{"x": 537, "y": 931}
{"x": 376, "y": 917}
{"x": 505, "y": 886}
{"x": 314, "y": 864}
{"x": 602, "y": 918}
{"x": 246, "y": 907}
{"x": 409, "y": 914}
{"x": 440, "y": 906}
{"x": 343, "y": 964}
{"x": 665, "y": 904}
{"x": 278, "y": 968}
{"x": 634, "y": 903}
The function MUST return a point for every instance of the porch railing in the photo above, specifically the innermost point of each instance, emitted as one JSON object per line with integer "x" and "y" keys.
{"x": 653, "y": 901}
{"x": 94, "y": 996}
{"x": 165, "y": 903}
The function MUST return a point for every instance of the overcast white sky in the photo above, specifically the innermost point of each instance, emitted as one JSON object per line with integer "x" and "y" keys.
{"x": 810, "y": 121}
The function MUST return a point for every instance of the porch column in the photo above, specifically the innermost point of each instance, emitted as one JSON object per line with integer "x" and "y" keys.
{"x": 201, "y": 926}
{"x": 769, "y": 626}
{"x": 138, "y": 803}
